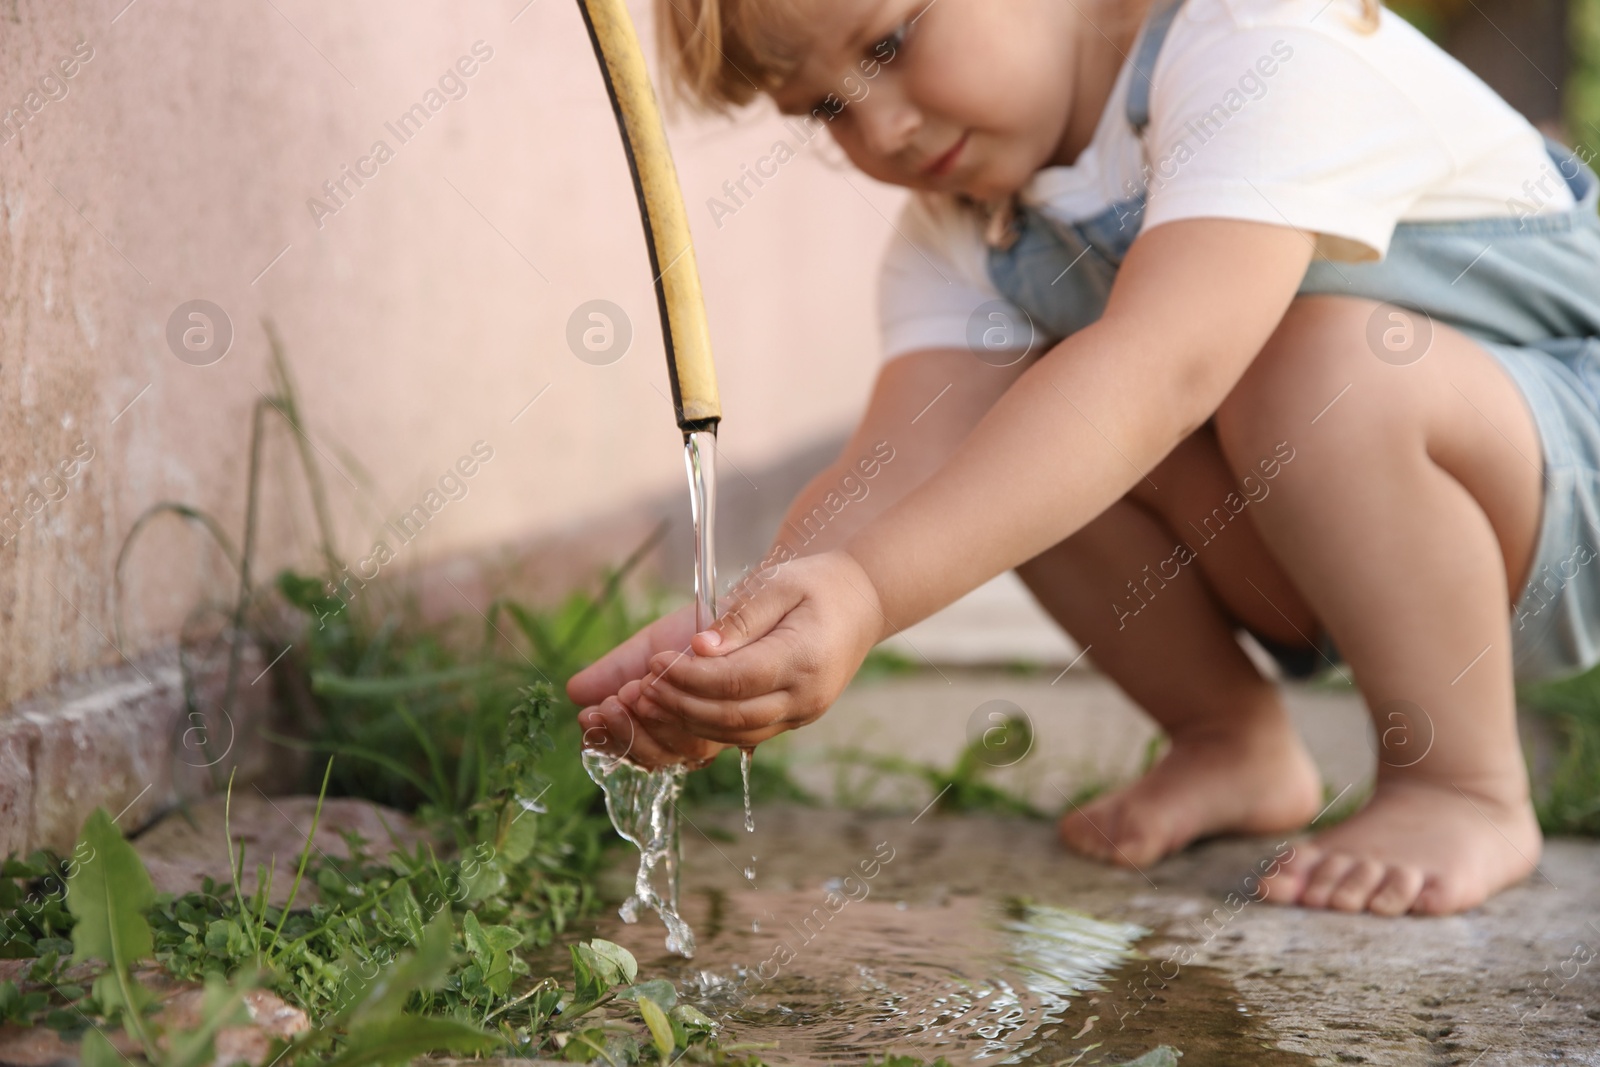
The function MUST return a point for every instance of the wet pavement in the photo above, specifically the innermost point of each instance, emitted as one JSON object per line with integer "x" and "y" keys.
{"x": 982, "y": 940}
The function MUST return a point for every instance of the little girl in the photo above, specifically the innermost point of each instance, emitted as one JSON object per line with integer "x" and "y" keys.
{"x": 1206, "y": 316}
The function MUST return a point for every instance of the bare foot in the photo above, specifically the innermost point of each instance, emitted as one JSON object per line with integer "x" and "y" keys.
{"x": 1418, "y": 846}
{"x": 1249, "y": 777}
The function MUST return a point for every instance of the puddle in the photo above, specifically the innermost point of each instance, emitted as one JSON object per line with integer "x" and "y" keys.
{"x": 831, "y": 978}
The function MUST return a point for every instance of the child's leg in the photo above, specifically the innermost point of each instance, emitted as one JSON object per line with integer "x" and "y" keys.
{"x": 1164, "y": 632}
{"x": 1406, "y": 519}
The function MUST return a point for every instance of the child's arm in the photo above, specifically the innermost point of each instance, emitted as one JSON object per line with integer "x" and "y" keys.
{"x": 1193, "y": 304}
{"x": 923, "y": 405}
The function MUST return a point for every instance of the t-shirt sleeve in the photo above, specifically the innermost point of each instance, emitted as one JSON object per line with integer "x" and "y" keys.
{"x": 935, "y": 280}
{"x": 1291, "y": 126}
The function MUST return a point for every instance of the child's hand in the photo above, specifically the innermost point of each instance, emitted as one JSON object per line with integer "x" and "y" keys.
{"x": 629, "y": 661}
{"x": 774, "y": 661}
{"x": 608, "y": 689}
{"x": 613, "y": 728}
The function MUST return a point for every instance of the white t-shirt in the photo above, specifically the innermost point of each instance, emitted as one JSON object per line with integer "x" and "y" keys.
{"x": 1277, "y": 111}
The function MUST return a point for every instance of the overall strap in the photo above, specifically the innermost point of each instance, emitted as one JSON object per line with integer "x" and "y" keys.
{"x": 1145, "y": 51}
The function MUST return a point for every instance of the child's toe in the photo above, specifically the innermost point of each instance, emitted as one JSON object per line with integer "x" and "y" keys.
{"x": 1446, "y": 896}
{"x": 1080, "y": 832}
{"x": 1355, "y": 889}
{"x": 1325, "y": 879}
{"x": 1285, "y": 886}
{"x": 1397, "y": 892}
{"x": 1140, "y": 838}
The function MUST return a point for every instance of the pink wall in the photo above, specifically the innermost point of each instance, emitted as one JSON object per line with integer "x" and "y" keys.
{"x": 176, "y": 164}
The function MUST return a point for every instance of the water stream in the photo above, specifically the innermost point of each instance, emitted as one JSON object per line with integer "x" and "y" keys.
{"x": 700, "y": 459}
{"x": 643, "y": 805}
{"x": 745, "y": 756}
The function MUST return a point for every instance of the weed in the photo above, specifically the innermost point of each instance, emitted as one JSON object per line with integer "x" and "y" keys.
{"x": 1569, "y": 800}
{"x": 960, "y": 788}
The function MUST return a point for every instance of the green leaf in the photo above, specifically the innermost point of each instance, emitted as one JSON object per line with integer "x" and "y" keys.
{"x": 657, "y": 989}
{"x": 108, "y": 894}
{"x": 694, "y": 1019}
{"x": 660, "y": 1028}
{"x": 625, "y": 966}
{"x": 401, "y": 1039}
{"x": 588, "y": 988}
{"x": 97, "y": 1051}
{"x": 115, "y": 991}
{"x": 502, "y": 938}
{"x": 383, "y": 997}
{"x": 488, "y": 880}
{"x": 472, "y": 933}
{"x": 584, "y": 1045}
{"x": 520, "y": 837}
{"x": 491, "y": 950}
{"x": 225, "y": 939}
{"x": 327, "y": 683}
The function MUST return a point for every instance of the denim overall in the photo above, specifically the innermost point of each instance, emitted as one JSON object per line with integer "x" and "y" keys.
{"x": 1527, "y": 289}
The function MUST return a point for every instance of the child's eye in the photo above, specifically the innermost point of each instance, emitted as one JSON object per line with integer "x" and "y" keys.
{"x": 890, "y": 46}
{"x": 884, "y": 50}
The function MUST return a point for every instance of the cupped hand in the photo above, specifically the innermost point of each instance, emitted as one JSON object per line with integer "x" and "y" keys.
{"x": 608, "y": 690}
{"x": 775, "y": 660}
{"x": 629, "y": 661}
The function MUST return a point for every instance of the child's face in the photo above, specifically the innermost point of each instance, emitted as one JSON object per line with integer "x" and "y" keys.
{"x": 967, "y": 96}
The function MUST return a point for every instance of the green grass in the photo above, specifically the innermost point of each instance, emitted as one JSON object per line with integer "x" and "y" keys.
{"x": 1568, "y": 799}
{"x": 1582, "y": 91}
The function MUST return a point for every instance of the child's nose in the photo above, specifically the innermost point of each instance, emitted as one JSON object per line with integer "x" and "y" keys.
{"x": 887, "y": 124}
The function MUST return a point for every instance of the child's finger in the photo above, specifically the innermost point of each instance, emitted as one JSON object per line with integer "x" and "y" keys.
{"x": 721, "y": 738}
{"x": 751, "y": 620}
{"x": 756, "y": 669}
{"x": 606, "y": 674}
{"x": 743, "y": 723}
{"x": 628, "y": 660}
{"x": 615, "y": 734}
{"x": 607, "y": 728}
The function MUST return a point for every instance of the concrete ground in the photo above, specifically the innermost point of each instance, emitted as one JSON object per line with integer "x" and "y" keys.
{"x": 1227, "y": 984}
{"x": 1515, "y": 982}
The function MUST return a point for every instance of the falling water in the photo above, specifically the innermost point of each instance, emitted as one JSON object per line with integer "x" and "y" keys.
{"x": 643, "y": 805}
{"x": 745, "y": 755}
{"x": 699, "y": 457}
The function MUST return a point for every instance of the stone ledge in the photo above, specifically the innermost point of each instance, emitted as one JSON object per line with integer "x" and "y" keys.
{"x": 124, "y": 738}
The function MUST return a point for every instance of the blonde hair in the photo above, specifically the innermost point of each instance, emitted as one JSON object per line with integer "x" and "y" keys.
{"x": 721, "y": 54}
